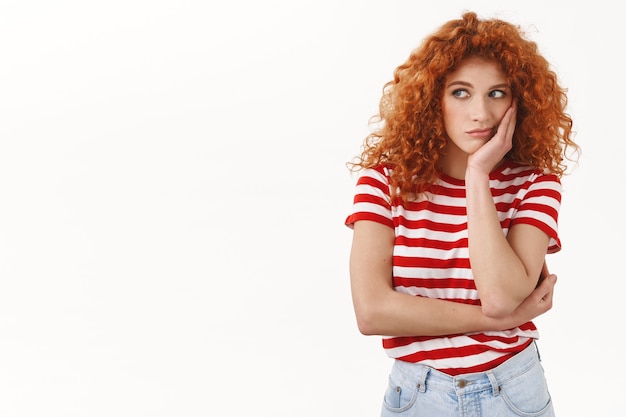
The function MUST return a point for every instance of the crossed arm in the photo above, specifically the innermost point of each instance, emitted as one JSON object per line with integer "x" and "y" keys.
{"x": 380, "y": 310}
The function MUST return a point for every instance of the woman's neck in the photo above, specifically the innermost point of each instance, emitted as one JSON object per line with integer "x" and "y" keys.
{"x": 454, "y": 163}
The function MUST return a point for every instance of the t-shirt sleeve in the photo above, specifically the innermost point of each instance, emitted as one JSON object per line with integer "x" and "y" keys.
{"x": 372, "y": 198}
{"x": 540, "y": 208}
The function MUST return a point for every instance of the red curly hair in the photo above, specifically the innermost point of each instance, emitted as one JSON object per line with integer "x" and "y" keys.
{"x": 411, "y": 136}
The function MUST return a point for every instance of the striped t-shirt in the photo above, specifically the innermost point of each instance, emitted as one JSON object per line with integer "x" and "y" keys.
{"x": 431, "y": 256}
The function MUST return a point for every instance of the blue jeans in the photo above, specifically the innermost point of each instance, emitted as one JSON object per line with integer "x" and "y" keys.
{"x": 515, "y": 388}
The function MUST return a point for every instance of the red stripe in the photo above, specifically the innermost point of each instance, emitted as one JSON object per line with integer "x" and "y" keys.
{"x": 373, "y": 182}
{"x": 432, "y": 283}
{"x": 504, "y": 207}
{"x": 459, "y": 210}
{"x": 541, "y": 208}
{"x": 550, "y": 178}
{"x": 415, "y": 262}
{"x": 488, "y": 365}
{"x": 483, "y": 338}
{"x": 363, "y": 215}
{"x": 446, "y": 191}
{"x": 430, "y": 225}
{"x": 445, "y": 353}
{"x": 369, "y": 198}
{"x": 430, "y": 243}
{"x": 529, "y": 326}
{"x": 544, "y": 192}
{"x": 510, "y": 189}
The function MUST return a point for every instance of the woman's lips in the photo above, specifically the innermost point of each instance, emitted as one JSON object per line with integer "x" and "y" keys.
{"x": 481, "y": 133}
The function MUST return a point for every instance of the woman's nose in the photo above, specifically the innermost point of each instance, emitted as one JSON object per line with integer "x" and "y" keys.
{"x": 478, "y": 109}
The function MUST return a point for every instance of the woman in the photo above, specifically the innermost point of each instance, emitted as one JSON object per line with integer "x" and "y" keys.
{"x": 455, "y": 209}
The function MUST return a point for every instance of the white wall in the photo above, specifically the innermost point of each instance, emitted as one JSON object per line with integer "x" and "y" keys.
{"x": 173, "y": 190}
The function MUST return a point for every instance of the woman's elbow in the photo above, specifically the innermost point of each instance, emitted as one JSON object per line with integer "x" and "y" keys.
{"x": 367, "y": 320}
{"x": 497, "y": 308}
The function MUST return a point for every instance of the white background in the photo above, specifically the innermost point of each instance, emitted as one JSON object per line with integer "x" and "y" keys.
{"x": 173, "y": 189}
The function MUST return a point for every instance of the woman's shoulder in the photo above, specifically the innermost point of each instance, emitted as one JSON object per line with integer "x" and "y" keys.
{"x": 516, "y": 174}
{"x": 509, "y": 168}
{"x": 381, "y": 171}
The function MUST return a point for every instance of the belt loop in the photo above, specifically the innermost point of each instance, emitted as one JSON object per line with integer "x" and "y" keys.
{"x": 494, "y": 383}
{"x": 421, "y": 385}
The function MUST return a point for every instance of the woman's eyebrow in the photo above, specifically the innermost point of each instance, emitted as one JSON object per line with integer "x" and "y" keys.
{"x": 467, "y": 84}
{"x": 463, "y": 83}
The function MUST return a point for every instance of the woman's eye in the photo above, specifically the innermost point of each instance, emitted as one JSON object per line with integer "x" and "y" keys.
{"x": 460, "y": 93}
{"x": 497, "y": 94}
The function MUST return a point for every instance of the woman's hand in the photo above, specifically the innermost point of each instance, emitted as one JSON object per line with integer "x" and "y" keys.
{"x": 492, "y": 152}
{"x": 536, "y": 304}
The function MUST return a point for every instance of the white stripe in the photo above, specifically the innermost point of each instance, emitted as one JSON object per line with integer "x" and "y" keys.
{"x": 460, "y": 253}
{"x": 466, "y": 362}
{"x": 544, "y": 201}
{"x": 440, "y": 293}
{"x": 541, "y": 217}
{"x": 431, "y": 234}
{"x": 371, "y": 208}
{"x": 450, "y": 219}
{"x": 367, "y": 189}
{"x": 409, "y": 272}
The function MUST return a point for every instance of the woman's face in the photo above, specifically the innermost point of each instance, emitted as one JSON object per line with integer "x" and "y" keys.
{"x": 476, "y": 96}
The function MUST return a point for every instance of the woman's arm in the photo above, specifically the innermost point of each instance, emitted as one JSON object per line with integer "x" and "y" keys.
{"x": 506, "y": 269}
{"x": 380, "y": 310}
